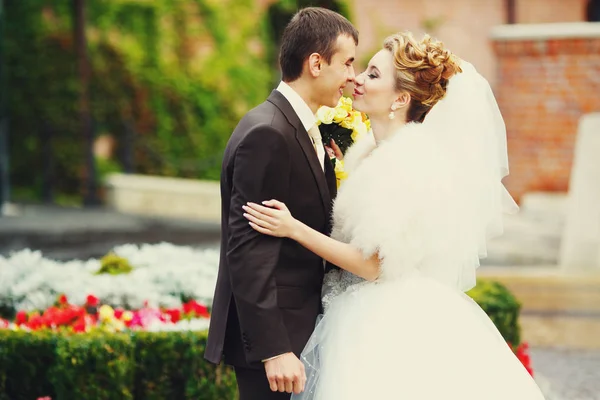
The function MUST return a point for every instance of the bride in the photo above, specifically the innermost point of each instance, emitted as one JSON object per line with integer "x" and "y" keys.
{"x": 411, "y": 221}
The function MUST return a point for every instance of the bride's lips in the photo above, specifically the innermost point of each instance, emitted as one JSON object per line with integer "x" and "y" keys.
{"x": 356, "y": 93}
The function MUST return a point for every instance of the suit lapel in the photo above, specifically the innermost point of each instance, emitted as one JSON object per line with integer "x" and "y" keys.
{"x": 306, "y": 145}
{"x": 332, "y": 185}
{"x": 315, "y": 165}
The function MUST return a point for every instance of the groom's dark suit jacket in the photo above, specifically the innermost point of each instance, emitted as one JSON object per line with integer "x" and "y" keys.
{"x": 268, "y": 292}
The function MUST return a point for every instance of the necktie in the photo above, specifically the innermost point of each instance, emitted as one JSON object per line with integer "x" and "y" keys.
{"x": 315, "y": 136}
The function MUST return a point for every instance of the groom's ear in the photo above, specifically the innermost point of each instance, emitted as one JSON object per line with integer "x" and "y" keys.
{"x": 314, "y": 64}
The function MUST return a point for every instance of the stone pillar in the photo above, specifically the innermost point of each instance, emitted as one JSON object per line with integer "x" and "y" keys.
{"x": 580, "y": 249}
{"x": 547, "y": 79}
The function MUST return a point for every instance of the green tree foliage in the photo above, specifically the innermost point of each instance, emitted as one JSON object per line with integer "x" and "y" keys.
{"x": 178, "y": 73}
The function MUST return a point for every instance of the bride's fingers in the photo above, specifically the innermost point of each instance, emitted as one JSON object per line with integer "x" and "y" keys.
{"x": 260, "y": 229}
{"x": 258, "y": 221}
{"x": 276, "y": 204}
{"x": 264, "y": 210}
{"x": 259, "y": 215}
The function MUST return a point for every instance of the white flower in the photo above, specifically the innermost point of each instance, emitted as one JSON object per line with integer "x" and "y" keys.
{"x": 162, "y": 273}
{"x": 360, "y": 130}
{"x": 325, "y": 115}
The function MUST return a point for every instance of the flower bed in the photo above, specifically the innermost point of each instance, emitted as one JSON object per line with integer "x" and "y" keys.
{"x": 163, "y": 275}
{"x": 113, "y": 344}
{"x": 91, "y": 316}
{"x": 93, "y": 351}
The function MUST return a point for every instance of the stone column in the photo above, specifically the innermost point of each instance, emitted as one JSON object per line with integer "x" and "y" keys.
{"x": 580, "y": 248}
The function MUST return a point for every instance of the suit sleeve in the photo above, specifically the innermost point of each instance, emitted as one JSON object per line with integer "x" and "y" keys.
{"x": 261, "y": 172}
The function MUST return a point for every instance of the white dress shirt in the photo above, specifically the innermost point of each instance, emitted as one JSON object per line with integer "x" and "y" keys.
{"x": 308, "y": 119}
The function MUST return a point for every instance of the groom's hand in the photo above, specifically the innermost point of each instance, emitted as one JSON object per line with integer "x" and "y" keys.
{"x": 286, "y": 373}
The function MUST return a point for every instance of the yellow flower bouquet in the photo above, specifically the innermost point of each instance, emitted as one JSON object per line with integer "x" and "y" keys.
{"x": 345, "y": 126}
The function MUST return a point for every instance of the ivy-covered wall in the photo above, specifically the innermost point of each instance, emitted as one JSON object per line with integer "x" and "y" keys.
{"x": 180, "y": 73}
{"x": 176, "y": 74}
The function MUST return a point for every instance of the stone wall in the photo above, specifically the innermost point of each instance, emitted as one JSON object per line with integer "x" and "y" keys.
{"x": 164, "y": 197}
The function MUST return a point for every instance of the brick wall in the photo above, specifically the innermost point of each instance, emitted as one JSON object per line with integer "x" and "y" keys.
{"x": 548, "y": 77}
{"x": 463, "y": 25}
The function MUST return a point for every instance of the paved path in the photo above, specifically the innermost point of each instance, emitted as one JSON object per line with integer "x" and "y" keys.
{"x": 566, "y": 374}
{"x": 74, "y": 233}
{"x": 560, "y": 319}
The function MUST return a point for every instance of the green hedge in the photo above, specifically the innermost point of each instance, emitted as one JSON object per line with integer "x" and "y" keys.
{"x": 103, "y": 366}
{"x": 153, "y": 365}
{"x": 501, "y": 306}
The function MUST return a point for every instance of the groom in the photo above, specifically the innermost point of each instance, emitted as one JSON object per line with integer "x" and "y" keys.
{"x": 268, "y": 292}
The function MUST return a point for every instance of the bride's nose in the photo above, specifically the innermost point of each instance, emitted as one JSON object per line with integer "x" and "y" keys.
{"x": 359, "y": 79}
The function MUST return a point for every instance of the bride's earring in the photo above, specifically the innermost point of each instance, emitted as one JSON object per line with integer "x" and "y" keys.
{"x": 392, "y": 113}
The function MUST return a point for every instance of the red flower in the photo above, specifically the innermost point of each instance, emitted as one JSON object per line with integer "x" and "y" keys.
{"x": 92, "y": 300}
{"x": 79, "y": 325}
{"x": 522, "y": 354}
{"x": 174, "y": 315}
{"x": 195, "y": 309}
{"x": 35, "y": 322}
{"x": 21, "y": 317}
{"x": 119, "y": 313}
{"x": 62, "y": 299}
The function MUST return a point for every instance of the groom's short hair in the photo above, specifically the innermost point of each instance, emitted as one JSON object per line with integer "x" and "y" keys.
{"x": 311, "y": 30}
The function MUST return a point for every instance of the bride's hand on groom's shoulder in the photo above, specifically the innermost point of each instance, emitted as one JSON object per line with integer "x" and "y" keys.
{"x": 272, "y": 218}
{"x": 286, "y": 373}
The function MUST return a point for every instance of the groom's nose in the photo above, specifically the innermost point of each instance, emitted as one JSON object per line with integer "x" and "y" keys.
{"x": 351, "y": 74}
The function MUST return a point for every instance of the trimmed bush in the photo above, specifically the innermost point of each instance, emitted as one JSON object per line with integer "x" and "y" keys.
{"x": 25, "y": 361}
{"x": 114, "y": 265}
{"x": 501, "y": 306}
{"x": 172, "y": 366}
{"x": 140, "y": 365}
{"x": 94, "y": 366}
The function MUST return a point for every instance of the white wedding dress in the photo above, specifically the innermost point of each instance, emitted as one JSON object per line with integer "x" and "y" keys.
{"x": 426, "y": 201}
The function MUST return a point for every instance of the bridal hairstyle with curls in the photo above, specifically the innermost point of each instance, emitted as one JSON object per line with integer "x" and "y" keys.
{"x": 423, "y": 69}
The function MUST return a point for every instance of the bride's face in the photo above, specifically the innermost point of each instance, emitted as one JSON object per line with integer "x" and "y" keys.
{"x": 375, "y": 90}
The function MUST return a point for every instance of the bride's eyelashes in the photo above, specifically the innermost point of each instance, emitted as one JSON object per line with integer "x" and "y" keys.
{"x": 372, "y": 76}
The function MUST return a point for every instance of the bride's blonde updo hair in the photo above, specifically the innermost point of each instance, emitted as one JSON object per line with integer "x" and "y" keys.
{"x": 423, "y": 69}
